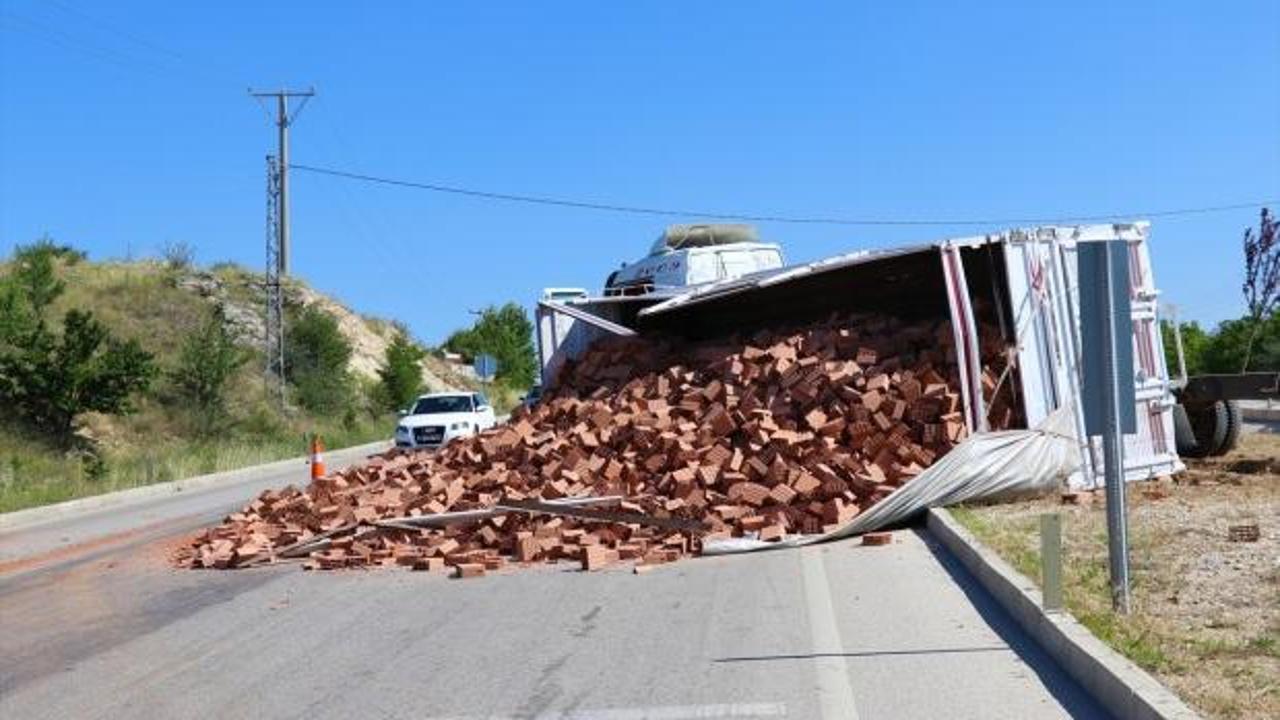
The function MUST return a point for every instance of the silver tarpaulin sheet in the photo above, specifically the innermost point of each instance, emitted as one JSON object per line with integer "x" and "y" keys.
{"x": 986, "y": 466}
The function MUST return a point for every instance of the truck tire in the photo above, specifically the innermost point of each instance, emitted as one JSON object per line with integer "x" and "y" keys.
{"x": 1200, "y": 432}
{"x": 1183, "y": 436}
{"x": 1232, "y": 435}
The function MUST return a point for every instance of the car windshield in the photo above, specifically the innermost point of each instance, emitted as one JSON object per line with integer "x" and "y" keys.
{"x": 445, "y": 404}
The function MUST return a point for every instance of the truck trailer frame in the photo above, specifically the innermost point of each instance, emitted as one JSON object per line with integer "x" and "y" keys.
{"x": 1022, "y": 281}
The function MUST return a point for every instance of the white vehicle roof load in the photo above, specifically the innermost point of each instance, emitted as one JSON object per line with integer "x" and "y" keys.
{"x": 679, "y": 237}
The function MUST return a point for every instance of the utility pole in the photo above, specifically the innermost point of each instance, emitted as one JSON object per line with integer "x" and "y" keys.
{"x": 278, "y": 232}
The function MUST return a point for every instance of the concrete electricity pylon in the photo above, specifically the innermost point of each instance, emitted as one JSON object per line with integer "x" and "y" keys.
{"x": 278, "y": 235}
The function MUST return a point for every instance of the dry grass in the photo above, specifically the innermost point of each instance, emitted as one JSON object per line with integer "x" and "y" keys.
{"x": 161, "y": 440}
{"x": 1207, "y": 611}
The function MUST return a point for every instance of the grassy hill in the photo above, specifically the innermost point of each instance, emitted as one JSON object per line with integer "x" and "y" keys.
{"x": 159, "y": 304}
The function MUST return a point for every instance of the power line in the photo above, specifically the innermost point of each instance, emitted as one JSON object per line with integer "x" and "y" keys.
{"x": 668, "y": 212}
{"x": 113, "y": 29}
{"x": 74, "y": 29}
{"x": 113, "y": 56}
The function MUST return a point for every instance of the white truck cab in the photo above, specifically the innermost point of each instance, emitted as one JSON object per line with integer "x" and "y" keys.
{"x": 563, "y": 293}
{"x": 686, "y": 255}
{"x": 437, "y": 418}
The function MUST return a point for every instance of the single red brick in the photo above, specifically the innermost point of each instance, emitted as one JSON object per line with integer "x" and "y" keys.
{"x": 806, "y": 484}
{"x": 468, "y": 570}
{"x": 753, "y": 494}
{"x": 782, "y": 494}
{"x": 877, "y": 538}
{"x": 773, "y": 532}
{"x": 1077, "y": 498}
{"x": 595, "y": 557}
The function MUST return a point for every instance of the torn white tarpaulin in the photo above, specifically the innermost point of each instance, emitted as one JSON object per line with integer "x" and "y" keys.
{"x": 986, "y": 466}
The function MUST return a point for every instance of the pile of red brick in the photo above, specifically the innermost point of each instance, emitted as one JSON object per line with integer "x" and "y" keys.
{"x": 769, "y": 436}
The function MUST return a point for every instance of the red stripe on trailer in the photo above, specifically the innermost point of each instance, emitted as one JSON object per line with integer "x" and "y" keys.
{"x": 1158, "y": 441}
{"x": 971, "y": 388}
{"x": 1140, "y": 335}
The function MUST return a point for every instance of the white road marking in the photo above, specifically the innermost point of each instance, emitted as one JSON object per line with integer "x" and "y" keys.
{"x": 661, "y": 712}
{"x": 835, "y": 694}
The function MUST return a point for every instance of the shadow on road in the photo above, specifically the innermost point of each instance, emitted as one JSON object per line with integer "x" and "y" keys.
{"x": 864, "y": 654}
{"x": 1067, "y": 691}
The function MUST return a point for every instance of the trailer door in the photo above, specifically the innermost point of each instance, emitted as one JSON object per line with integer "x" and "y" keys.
{"x": 1044, "y": 292}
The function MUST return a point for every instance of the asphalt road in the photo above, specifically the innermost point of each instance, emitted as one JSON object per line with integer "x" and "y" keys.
{"x": 75, "y": 538}
{"x": 109, "y": 630}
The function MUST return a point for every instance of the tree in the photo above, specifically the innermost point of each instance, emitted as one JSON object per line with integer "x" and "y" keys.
{"x": 400, "y": 377}
{"x": 1195, "y": 342}
{"x": 316, "y": 357}
{"x": 1261, "y": 286}
{"x": 46, "y": 379}
{"x": 34, "y": 274}
{"x": 207, "y": 361}
{"x": 1233, "y": 337}
{"x": 51, "y": 380}
{"x": 505, "y": 333}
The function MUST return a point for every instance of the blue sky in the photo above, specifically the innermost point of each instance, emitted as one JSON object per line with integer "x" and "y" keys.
{"x": 124, "y": 126}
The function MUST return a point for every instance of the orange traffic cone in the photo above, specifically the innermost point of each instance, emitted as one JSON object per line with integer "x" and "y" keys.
{"x": 317, "y": 457}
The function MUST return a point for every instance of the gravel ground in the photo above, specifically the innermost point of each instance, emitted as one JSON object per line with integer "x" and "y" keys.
{"x": 1207, "y": 610}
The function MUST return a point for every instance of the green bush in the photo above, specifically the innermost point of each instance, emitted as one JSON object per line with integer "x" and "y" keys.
{"x": 46, "y": 379}
{"x": 1194, "y": 342}
{"x": 207, "y": 362}
{"x": 53, "y": 379}
{"x": 1223, "y": 349}
{"x": 505, "y": 333}
{"x": 1230, "y": 345}
{"x": 34, "y": 275}
{"x": 400, "y": 377}
{"x": 316, "y": 357}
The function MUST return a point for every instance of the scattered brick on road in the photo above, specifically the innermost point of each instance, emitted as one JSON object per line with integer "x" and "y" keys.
{"x": 789, "y": 432}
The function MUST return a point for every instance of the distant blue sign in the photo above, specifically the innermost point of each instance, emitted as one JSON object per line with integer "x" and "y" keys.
{"x": 486, "y": 367}
{"x": 1103, "y": 271}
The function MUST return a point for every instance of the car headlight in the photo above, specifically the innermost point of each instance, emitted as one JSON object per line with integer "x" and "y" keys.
{"x": 402, "y": 430}
{"x": 460, "y": 426}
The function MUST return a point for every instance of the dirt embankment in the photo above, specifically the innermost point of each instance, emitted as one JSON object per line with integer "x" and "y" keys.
{"x": 241, "y": 296}
{"x": 1207, "y": 609}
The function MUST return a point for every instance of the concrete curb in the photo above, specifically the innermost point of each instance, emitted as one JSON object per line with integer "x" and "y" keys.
{"x": 132, "y": 496}
{"x": 1124, "y": 689}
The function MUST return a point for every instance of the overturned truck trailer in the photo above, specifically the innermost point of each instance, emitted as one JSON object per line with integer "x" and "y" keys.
{"x": 1020, "y": 281}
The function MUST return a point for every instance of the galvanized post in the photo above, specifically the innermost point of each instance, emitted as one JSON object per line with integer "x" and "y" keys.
{"x": 1112, "y": 442}
{"x": 1051, "y": 561}
{"x": 283, "y": 156}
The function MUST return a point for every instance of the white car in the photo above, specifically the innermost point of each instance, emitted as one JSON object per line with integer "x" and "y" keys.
{"x": 437, "y": 418}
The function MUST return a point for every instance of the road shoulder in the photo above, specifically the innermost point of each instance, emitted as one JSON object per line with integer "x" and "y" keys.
{"x": 30, "y": 517}
{"x": 1117, "y": 684}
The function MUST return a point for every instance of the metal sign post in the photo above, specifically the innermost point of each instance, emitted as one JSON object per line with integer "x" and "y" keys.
{"x": 486, "y": 367}
{"x": 1108, "y": 388}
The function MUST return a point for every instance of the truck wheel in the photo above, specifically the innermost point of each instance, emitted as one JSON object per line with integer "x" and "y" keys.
{"x": 1232, "y": 435}
{"x": 1184, "y": 437}
{"x": 1201, "y": 431}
